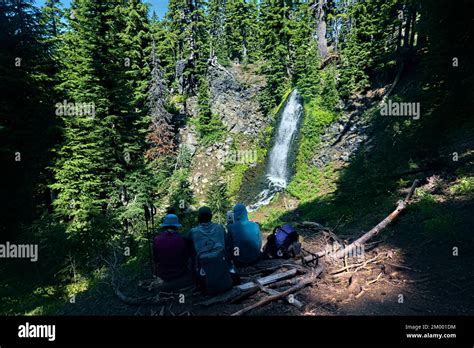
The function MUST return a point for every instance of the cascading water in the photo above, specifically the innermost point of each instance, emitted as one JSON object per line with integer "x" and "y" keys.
{"x": 277, "y": 173}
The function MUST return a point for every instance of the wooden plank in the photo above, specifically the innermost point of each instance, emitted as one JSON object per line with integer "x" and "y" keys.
{"x": 290, "y": 298}
{"x": 246, "y": 289}
{"x": 301, "y": 284}
{"x": 268, "y": 279}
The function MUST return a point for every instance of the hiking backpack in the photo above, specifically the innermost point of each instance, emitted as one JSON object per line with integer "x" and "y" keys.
{"x": 213, "y": 268}
{"x": 282, "y": 243}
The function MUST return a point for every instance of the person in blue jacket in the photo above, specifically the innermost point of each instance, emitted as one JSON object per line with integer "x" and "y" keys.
{"x": 244, "y": 238}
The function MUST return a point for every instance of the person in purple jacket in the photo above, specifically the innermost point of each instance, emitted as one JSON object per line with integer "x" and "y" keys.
{"x": 171, "y": 254}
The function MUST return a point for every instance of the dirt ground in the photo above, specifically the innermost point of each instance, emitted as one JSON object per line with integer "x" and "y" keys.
{"x": 402, "y": 274}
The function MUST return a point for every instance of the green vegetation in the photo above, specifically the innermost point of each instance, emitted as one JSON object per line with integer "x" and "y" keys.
{"x": 209, "y": 125}
{"x": 463, "y": 187}
{"x": 217, "y": 198}
{"x": 76, "y": 181}
{"x": 305, "y": 182}
{"x": 319, "y": 112}
{"x": 236, "y": 176}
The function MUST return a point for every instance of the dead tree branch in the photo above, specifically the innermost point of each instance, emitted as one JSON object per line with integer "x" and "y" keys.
{"x": 376, "y": 230}
{"x": 301, "y": 284}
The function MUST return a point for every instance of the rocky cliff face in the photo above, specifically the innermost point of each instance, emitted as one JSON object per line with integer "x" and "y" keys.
{"x": 236, "y": 103}
{"x": 343, "y": 138}
{"x": 234, "y": 97}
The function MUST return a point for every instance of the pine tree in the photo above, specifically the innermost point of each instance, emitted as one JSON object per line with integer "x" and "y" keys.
{"x": 103, "y": 65}
{"x": 238, "y": 26}
{"x": 51, "y": 18}
{"x": 27, "y": 120}
{"x": 304, "y": 52}
{"x": 369, "y": 45}
{"x": 161, "y": 136}
{"x": 217, "y": 37}
{"x": 217, "y": 198}
{"x": 188, "y": 25}
{"x": 208, "y": 124}
{"x": 165, "y": 49}
{"x": 275, "y": 31}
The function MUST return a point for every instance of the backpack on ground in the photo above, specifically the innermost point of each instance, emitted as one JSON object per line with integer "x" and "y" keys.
{"x": 282, "y": 243}
{"x": 213, "y": 268}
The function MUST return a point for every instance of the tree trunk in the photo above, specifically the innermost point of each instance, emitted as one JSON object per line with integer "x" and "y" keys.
{"x": 412, "y": 34}
{"x": 374, "y": 231}
{"x": 321, "y": 29}
{"x": 406, "y": 37}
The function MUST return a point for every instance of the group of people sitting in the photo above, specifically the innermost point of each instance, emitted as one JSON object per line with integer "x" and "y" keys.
{"x": 208, "y": 253}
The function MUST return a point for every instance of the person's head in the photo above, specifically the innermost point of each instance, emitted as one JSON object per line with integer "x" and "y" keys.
{"x": 204, "y": 215}
{"x": 171, "y": 210}
{"x": 240, "y": 213}
{"x": 171, "y": 222}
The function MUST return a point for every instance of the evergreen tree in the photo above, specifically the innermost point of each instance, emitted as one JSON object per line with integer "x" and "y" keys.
{"x": 241, "y": 29}
{"x": 217, "y": 198}
{"x": 165, "y": 49}
{"x": 51, "y": 18}
{"x": 188, "y": 26}
{"x": 217, "y": 37}
{"x": 369, "y": 47}
{"x": 27, "y": 120}
{"x": 161, "y": 136}
{"x": 304, "y": 52}
{"x": 275, "y": 31}
{"x": 209, "y": 125}
{"x": 104, "y": 65}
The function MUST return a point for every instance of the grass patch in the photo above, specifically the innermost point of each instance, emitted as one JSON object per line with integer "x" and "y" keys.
{"x": 305, "y": 183}
{"x": 235, "y": 177}
{"x": 464, "y": 186}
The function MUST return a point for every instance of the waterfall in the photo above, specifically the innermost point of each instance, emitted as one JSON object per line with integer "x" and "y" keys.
{"x": 277, "y": 170}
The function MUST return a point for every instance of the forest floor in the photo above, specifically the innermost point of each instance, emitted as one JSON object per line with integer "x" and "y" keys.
{"x": 413, "y": 258}
{"x": 404, "y": 273}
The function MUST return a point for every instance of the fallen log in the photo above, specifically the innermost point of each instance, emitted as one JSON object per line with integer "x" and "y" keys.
{"x": 348, "y": 250}
{"x": 274, "y": 264}
{"x": 247, "y": 289}
{"x": 291, "y": 300}
{"x": 286, "y": 282}
{"x": 301, "y": 284}
{"x": 268, "y": 279}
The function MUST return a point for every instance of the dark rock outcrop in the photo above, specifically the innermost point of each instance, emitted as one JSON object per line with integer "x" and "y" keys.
{"x": 235, "y": 103}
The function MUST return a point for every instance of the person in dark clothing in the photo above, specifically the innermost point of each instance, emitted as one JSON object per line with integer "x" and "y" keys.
{"x": 206, "y": 230}
{"x": 209, "y": 239}
{"x": 244, "y": 238}
{"x": 171, "y": 253}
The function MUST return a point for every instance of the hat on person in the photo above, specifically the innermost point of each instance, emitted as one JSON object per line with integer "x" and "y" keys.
{"x": 171, "y": 220}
